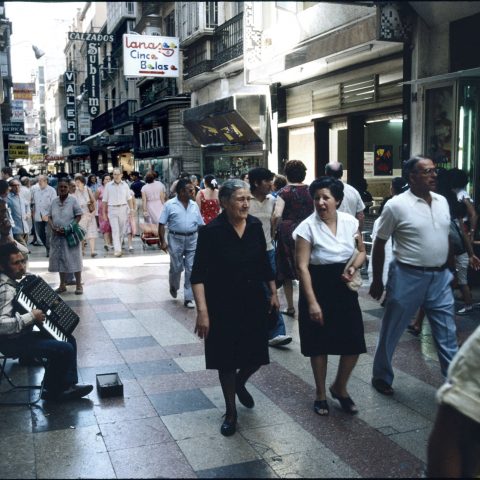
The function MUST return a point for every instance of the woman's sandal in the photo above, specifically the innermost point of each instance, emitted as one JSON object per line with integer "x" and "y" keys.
{"x": 78, "y": 290}
{"x": 61, "y": 289}
{"x": 290, "y": 312}
{"x": 320, "y": 407}
{"x": 347, "y": 404}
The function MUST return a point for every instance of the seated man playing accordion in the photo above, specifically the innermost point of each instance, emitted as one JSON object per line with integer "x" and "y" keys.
{"x": 18, "y": 339}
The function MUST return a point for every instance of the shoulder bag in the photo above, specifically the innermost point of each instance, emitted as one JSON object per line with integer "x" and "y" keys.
{"x": 356, "y": 281}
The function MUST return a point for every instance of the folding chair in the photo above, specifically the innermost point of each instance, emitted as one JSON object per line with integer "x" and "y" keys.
{"x": 13, "y": 388}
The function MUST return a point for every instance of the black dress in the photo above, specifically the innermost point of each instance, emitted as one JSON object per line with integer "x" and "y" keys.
{"x": 233, "y": 270}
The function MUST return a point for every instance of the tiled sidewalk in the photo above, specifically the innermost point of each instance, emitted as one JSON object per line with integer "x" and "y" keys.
{"x": 167, "y": 424}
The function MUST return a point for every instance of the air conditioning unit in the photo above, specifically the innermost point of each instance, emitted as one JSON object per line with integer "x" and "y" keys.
{"x": 151, "y": 30}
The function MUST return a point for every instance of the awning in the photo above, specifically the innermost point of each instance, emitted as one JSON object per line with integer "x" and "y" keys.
{"x": 221, "y": 123}
{"x": 96, "y": 139}
{"x": 103, "y": 139}
{"x": 472, "y": 72}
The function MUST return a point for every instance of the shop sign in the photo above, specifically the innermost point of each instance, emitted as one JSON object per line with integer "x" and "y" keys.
{"x": 36, "y": 157}
{"x": 13, "y": 128}
{"x": 90, "y": 37}
{"x": 150, "y": 56}
{"x": 23, "y": 91}
{"x": 93, "y": 79}
{"x": 151, "y": 139}
{"x": 71, "y": 106}
{"x": 17, "y": 111}
{"x": 17, "y": 150}
{"x": 54, "y": 158}
{"x": 18, "y": 138}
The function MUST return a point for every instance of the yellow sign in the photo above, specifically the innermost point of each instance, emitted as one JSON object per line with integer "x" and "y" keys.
{"x": 37, "y": 157}
{"x": 17, "y": 150}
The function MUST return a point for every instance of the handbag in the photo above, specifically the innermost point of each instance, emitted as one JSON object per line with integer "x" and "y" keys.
{"x": 356, "y": 281}
{"x": 91, "y": 203}
{"x": 74, "y": 234}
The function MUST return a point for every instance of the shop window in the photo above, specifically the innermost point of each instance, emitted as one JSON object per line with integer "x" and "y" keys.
{"x": 439, "y": 124}
{"x": 464, "y": 35}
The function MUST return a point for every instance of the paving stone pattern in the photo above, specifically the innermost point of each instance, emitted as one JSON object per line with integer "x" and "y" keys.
{"x": 167, "y": 423}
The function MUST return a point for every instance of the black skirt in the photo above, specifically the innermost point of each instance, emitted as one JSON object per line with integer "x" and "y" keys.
{"x": 342, "y": 332}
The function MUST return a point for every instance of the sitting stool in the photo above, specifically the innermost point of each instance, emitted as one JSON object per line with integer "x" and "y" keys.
{"x": 4, "y": 375}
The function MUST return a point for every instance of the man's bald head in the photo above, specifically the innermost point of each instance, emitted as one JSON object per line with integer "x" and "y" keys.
{"x": 334, "y": 169}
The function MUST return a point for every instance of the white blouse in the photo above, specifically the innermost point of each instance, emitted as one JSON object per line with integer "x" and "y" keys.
{"x": 326, "y": 247}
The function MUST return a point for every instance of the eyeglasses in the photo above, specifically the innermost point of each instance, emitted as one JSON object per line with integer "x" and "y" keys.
{"x": 427, "y": 171}
{"x": 14, "y": 185}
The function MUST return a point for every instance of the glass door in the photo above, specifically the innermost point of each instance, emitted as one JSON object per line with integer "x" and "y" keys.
{"x": 468, "y": 157}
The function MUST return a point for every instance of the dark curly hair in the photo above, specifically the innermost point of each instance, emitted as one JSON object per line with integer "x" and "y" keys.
{"x": 333, "y": 184}
{"x": 295, "y": 171}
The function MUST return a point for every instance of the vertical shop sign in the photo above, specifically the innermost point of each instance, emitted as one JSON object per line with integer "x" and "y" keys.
{"x": 71, "y": 106}
{"x": 93, "y": 79}
{"x": 383, "y": 160}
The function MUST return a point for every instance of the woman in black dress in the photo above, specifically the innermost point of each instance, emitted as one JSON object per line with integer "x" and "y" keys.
{"x": 229, "y": 269}
{"x": 330, "y": 320}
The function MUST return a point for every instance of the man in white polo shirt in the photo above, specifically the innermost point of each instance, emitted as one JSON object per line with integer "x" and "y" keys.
{"x": 419, "y": 221}
{"x": 120, "y": 204}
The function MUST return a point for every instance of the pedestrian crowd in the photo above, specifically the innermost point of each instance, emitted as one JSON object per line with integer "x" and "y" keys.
{"x": 239, "y": 242}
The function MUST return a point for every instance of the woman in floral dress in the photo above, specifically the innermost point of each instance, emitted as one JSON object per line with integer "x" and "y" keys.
{"x": 207, "y": 199}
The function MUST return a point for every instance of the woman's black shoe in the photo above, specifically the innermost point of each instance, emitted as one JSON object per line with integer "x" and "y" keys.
{"x": 229, "y": 426}
{"x": 245, "y": 398}
{"x": 320, "y": 407}
{"x": 347, "y": 404}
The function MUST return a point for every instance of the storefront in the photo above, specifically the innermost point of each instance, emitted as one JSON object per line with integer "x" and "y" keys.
{"x": 451, "y": 122}
{"x": 233, "y": 132}
{"x": 161, "y": 142}
{"x": 77, "y": 159}
{"x": 354, "y": 116}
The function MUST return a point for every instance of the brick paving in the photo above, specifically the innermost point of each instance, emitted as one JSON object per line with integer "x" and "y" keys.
{"x": 167, "y": 423}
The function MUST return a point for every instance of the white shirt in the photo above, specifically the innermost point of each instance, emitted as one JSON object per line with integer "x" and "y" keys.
{"x": 420, "y": 231}
{"x": 326, "y": 247}
{"x": 264, "y": 211}
{"x": 352, "y": 201}
{"x": 116, "y": 194}
{"x": 388, "y": 254}
{"x": 42, "y": 198}
{"x": 462, "y": 388}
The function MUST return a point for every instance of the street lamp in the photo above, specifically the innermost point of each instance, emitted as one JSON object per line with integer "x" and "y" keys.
{"x": 39, "y": 53}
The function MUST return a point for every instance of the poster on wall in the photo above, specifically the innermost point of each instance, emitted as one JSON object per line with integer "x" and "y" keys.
{"x": 439, "y": 124}
{"x": 383, "y": 160}
{"x": 368, "y": 164}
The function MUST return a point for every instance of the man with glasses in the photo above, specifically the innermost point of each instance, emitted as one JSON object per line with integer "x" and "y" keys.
{"x": 420, "y": 274}
{"x": 20, "y": 211}
{"x": 17, "y": 338}
{"x": 117, "y": 198}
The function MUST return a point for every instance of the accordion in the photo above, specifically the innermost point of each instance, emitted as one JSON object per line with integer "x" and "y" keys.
{"x": 34, "y": 293}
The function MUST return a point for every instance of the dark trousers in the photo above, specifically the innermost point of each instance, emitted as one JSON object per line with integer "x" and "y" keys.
{"x": 61, "y": 370}
{"x": 43, "y": 233}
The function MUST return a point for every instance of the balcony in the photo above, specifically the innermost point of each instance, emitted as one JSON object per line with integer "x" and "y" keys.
{"x": 115, "y": 117}
{"x": 228, "y": 41}
{"x": 197, "y": 69}
{"x": 165, "y": 87}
